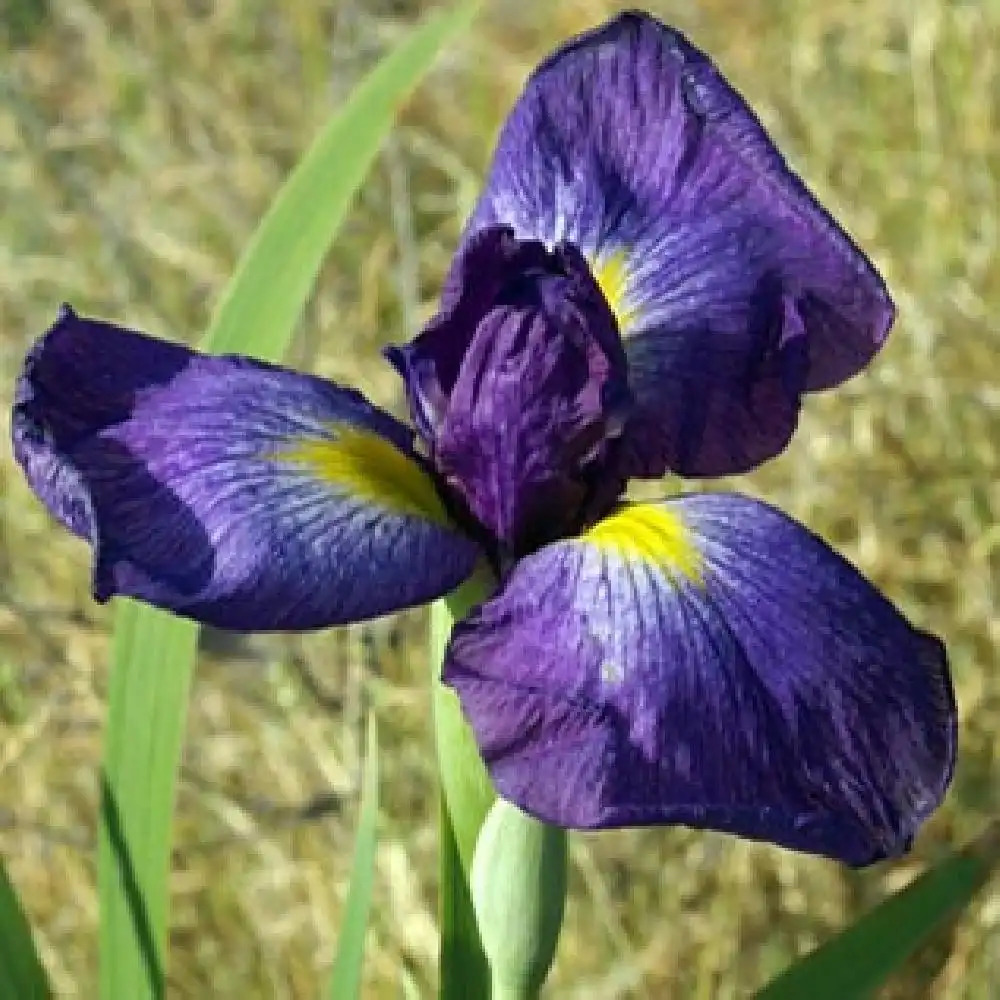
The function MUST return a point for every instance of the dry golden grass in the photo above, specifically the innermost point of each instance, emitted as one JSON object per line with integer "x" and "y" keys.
{"x": 140, "y": 140}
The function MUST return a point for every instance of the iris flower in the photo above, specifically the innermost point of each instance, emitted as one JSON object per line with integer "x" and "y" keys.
{"x": 643, "y": 287}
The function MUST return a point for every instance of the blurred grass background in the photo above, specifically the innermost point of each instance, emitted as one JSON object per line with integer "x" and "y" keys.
{"x": 140, "y": 141}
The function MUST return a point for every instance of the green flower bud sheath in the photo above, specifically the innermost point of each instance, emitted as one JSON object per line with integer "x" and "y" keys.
{"x": 519, "y": 895}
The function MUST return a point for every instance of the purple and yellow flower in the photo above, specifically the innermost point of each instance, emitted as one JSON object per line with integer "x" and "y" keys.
{"x": 644, "y": 287}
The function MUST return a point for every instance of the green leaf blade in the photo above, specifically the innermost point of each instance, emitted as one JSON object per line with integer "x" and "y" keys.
{"x": 152, "y": 665}
{"x": 21, "y": 971}
{"x": 345, "y": 980}
{"x": 856, "y": 963}
{"x": 154, "y": 653}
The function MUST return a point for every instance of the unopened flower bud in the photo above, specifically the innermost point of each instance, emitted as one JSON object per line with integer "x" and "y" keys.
{"x": 519, "y": 894}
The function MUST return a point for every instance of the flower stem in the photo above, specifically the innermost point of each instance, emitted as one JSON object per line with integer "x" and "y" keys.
{"x": 466, "y": 796}
{"x": 463, "y": 969}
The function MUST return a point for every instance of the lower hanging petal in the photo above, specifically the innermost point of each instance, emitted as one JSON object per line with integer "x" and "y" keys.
{"x": 709, "y": 662}
{"x": 240, "y": 494}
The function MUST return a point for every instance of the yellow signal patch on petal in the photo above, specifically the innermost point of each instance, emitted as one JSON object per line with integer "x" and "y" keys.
{"x": 653, "y": 534}
{"x": 611, "y": 272}
{"x": 370, "y": 468}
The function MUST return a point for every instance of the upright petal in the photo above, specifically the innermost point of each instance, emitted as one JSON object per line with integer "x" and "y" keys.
{"x": 709, "y": 662}
{"x": 233, "y": 492}
{"x": 735, "y": 289}
{"x": 519, "y": 388}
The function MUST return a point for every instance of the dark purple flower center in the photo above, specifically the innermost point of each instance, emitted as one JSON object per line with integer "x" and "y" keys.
{"x": 519, "y": 388}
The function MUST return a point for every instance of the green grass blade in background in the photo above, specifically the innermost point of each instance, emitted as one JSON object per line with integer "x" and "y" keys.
{"x": 21, "y": 972}
{"x": 856, "y": 963}
{"x": 345, "y": 981}
{"x": 154, "y": 653}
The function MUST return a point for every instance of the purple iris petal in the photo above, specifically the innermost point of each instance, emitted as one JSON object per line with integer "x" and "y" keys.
{"x": 736, "y": 291}
{"x": 708, "y": 662}
{"x": 519, "y": 386}
{"x": 229, "y": 491}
